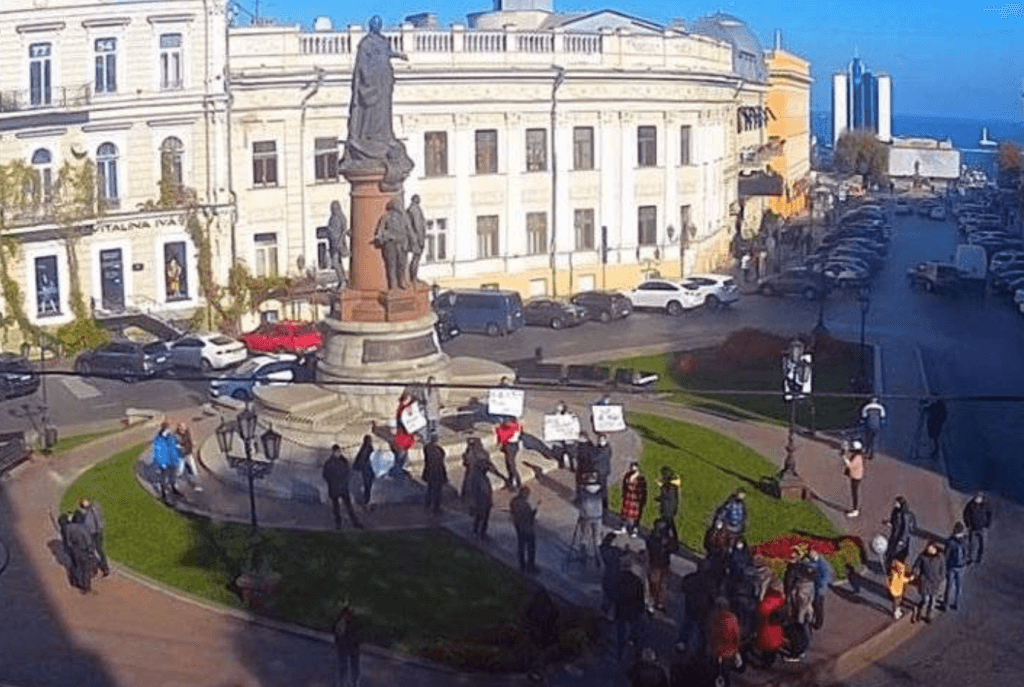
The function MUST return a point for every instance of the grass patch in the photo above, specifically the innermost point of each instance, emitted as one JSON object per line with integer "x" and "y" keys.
{"x": 70, "y": 443}
{"x": 422, "y": 592}
{"x": 750, "y": 360}
{"x": 710, "y": 467}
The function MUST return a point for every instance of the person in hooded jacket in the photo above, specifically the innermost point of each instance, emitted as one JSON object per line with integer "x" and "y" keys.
{"x": 166, "y": 459}
{"x": 929, "y": 570}
{"x": 977, "y": 518}
{"x": 362, "y": 465}
{"x": 901, "y": 523}
{"x": 956, "y": 561}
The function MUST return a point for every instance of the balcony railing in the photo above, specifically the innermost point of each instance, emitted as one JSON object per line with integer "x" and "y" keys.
{"x": 59, "y": 97}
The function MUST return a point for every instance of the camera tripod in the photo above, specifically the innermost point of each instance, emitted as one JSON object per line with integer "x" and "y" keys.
{"x": 578, "y": 547}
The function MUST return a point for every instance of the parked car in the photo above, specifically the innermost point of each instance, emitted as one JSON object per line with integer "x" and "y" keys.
{"x": 256, "y": 371}
{"x": 206, "y": 352}
{"x": 798, "y": 280}
{"x": 1018, "y": 299}
{"x": 17, "y": 376}
{"x": 1003, "y": 281}
{"x": 714, "y": 289}
{"x": 672, "y": 297}
{"x": 127, "y": 360}
{"x": 546, "y": 312}
{"x": 934, "y": 277}
{"x": 938, "y": 212}
{"x": 1004, "y": 258}
{"x": 846, "y": 273}
{"x": 902, "y": 208}
{"x": 484, "y": 311}
{"x": 603, "y": 306}
{"x": 287, "y": 336}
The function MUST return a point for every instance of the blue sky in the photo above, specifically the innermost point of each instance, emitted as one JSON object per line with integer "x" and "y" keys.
{"x": 959, "y": 58}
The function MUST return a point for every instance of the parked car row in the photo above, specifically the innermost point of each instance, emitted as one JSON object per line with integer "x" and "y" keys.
{"x": 849, "y": 255}
{"x": 496, "y": 313}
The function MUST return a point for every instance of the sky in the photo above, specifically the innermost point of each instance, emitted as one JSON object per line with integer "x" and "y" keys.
{"x": 947, "y": 58}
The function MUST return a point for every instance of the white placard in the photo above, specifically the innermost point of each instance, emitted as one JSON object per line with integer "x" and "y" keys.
{"x": 505, "y": 401}
{"x": 608, "y": 418}
{"x": 561, "y": 427}
{"x": 413, "y": 419}
{"x": 381, "y": 461}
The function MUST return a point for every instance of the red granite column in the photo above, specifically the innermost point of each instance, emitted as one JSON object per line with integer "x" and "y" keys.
{"x": 366, "y": 268}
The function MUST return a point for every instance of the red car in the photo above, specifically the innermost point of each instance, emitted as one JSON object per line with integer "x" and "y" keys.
{"x": 284, "y": 337}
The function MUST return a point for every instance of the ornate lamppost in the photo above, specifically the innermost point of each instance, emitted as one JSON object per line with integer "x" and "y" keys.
{"x": 796, "y": 385}
{"x": 253, "y": 468}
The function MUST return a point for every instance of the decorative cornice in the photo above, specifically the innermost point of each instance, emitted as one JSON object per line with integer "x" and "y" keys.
{"x": 41, "y": 133}
{"x": 170, "y": 18}
{"x": 106, "y": 22}
{"x": 107, "y": 126}
{"x": 41, "y": 27}
{"x": 171, "y": 121}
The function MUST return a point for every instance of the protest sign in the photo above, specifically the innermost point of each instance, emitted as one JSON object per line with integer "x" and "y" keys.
{"x": 413, "y": 418}
{"x": 506, "y": 401}
{"x": 607, "y": 418}
{"x": 561, "y": 427}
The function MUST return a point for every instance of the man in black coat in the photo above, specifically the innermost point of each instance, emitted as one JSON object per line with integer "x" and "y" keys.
{"x": 602, "y": 463}
{"x": 524, "y": 517}
{"x": 630, "y": 607}
{"x": 482, "y": 493}
{"x": 435, "y": 475}
{"x": 977, "y": 518}
{"x": 338, "y": 474}
{"x": 902, "y": 524}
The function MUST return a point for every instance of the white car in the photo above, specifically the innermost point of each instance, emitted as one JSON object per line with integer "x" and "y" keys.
{"x": 206, "y": 352}
{"x": 714, "y": 289}
{"x": 1018, "y": 299}
{"x": 672, "y": 297}
{"x": 261, "y": 370}
{"x": 938, "y": 212}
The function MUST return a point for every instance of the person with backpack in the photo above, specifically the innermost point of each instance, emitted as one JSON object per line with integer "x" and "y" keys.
{"x": 956, "y": 561}
{"x": 733, "y": 514}
{"x": 872, "y": 416}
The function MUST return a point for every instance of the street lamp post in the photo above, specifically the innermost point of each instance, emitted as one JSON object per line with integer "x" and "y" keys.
{"x": 796, "y": 370}
{"x": 250, "y": 466}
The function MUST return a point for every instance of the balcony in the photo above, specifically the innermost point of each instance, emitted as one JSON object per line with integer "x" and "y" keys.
{"x": 56, "y": 98}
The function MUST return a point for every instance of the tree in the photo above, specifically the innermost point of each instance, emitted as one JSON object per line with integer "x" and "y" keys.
{"x": 860, "y": 152}
{"x": 1009, "y": 156}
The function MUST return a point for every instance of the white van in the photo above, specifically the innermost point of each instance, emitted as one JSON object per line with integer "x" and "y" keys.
{"x": 971, "y": 261}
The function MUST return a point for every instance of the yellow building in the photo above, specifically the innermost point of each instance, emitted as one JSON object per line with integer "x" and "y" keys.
{"x": 789, "y": 99}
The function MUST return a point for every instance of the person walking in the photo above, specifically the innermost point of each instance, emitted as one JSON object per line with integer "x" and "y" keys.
{"x": 348, "y": 635}
{"x": 646, "y": 671}
{"x": 90, "y": 515}
{"x": 872, "y": 416}
{"x": 978, "y": 518}
{"x": 524, "y": 517}
{"x": 723, "y": 635}
{"x": 166, "y": 458}
{"x": 661, "y": 544}
{"x": 823, "y": 579}
{"x": 187, "y": 466}
{"x": 611, "y": 559}
{"x": 956, "y": 561}
{"x": 929, "y": 572}
{"x": 364, "y": 467}
{"x": 854, "y": 470}
{"x": 630, "y": 607}
{"x": 901, "y": 523}
{"x": 508, "y": 434}
{"x": 435, "y": 476}
{"x": 82, "y": 551}
{"x": 634, "y": 498}
{"x": 337, "y": 473}
{"x": 897, "y": 579}
{"x": 482, "y": 494}
{"x": 668, "y": 498}
{"x": 602, "y": 465}
{"x": 771, "y": 635}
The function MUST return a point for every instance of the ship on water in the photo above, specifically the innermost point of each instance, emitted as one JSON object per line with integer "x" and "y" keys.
{"x": 985, "y": 141}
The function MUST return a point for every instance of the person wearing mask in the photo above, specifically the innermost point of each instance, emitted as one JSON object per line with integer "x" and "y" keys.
{"x": 364, "y": 467}
{"x": 929, "y": 570}
{"x": 634, "y": 498}
{"x": 524, "y": 517}
{"x": 956, "y": 561}
{"x": 564, "y": 451}
{"x": 771, "y": 635}
{"x": 435, "y": 476}
{"x": 508, "y": 434}
{"x": 902, "y": 524}
{"x": 854, "y": 471}
{"x": 823, "y": 578}
{"x": 338, "y": 474}
{"x": 977, "y": 518}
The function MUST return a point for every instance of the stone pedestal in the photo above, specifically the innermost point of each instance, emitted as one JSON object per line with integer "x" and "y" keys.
{"x": 792, "y": 487}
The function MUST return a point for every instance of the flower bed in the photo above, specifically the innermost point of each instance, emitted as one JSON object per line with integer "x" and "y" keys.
{"x": 840, "y": 553}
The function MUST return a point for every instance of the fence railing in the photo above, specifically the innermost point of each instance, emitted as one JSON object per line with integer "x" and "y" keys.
{"x": 40, "y": 99}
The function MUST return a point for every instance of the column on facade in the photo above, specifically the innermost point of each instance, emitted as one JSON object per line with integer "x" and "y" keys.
{"x": 627, "y": 185}
{"x": 606, "y": 158}
{"x": 565, "y": 240}
{"x": 462, "y": 235}
{"x": 671, "y": 192}
{"x": 511, "y": 241}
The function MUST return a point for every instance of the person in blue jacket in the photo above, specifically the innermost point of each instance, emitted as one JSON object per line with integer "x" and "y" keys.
{"x": 166, "y": 457}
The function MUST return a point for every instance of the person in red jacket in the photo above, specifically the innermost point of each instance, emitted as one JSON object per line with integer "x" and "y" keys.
{"x": 771, "y": 635}
{"x": 724, "y": 634}
{"x": 634, "y": 497}
{"x": 508, "y": 433}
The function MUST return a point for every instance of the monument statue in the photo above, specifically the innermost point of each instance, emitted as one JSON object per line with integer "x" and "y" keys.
{"x": 392, "y": 237}
{"x": 371, "y": 143}
{"x": 337, "y": 242}
{"x": 418, "y": 237}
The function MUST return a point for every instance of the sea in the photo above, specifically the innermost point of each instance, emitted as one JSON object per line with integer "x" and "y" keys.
{"x": 965, "y": 134}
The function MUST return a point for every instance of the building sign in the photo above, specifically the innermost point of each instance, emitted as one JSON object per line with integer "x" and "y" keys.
{"x": 175, "y": 274}
{"x": 113, "y": 226}
{"x": 47, "y": 287}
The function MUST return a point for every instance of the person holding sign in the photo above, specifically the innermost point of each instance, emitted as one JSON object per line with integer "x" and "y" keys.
{"x": 508, "y": 434}
{"x": 401, "y": 442}
{"x": 565, "y": 450}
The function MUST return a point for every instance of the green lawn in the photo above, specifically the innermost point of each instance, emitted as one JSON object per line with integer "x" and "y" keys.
{"x": 751, "y": 361}
{"x": 422, "y": 591}
{"x": 66, "y": 444}
{"x": 710, "y": 467}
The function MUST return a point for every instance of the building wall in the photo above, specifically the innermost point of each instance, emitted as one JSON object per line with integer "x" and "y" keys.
{"x": 839, "y": 106}
{"x": 789, "y": 98}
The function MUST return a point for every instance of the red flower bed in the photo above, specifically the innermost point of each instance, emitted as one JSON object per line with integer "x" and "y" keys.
{"x": 783, "y": 547}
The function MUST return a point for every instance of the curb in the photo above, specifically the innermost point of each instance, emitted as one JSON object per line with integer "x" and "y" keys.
{"x": 860, "y": 656}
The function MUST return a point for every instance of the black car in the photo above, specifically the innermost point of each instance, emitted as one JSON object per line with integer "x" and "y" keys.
{"x": 799, "y": 280}
{"x": 126, "y": 360}
{"x": 17, "y": 376}
{"x": 545, "y": 312}
{"x": 603, "y": 306}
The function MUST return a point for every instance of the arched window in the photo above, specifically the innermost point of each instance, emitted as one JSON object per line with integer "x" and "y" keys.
{"x": 171, "y": 151}
{"x": 42, "y": 162}
{"x": 106, "y": 174}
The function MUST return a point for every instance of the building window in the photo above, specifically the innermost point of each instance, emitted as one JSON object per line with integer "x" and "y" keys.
{"x": 39, "y": 73}
{"x": 583, "y": 147}
{"x": 647, "y": 225}
{"x": 538, "y": 287}
{"x": 647, "y": 146}
{"x": 170, "y": 61}
{"x": 264, "y": 163}
{"x": 47, "y": 287}
{"x": 583, "y": 220}
{"x": 487, "y": 236}
{"x": 536, "y": 150}
{"x": 171, "y": 151}
{"x": 487, "y": 151}
{"x": 325, "y": 159}
{"x": 42, "y": 164}
{"x": 436, "y": 146}
{"x": 684, "y": 144}
{"x": 266, "y": 254}
{"x": 106, "y": 175}
{"x": 175, "y": 272}
{"x": 436, "y": 248}
{"x": 106, "y": 65}
{"x": 536, "y": 232}
{"x": 323, "y": 249}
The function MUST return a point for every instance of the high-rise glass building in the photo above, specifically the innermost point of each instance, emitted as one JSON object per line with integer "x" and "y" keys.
{"x": 861, "y": 101}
